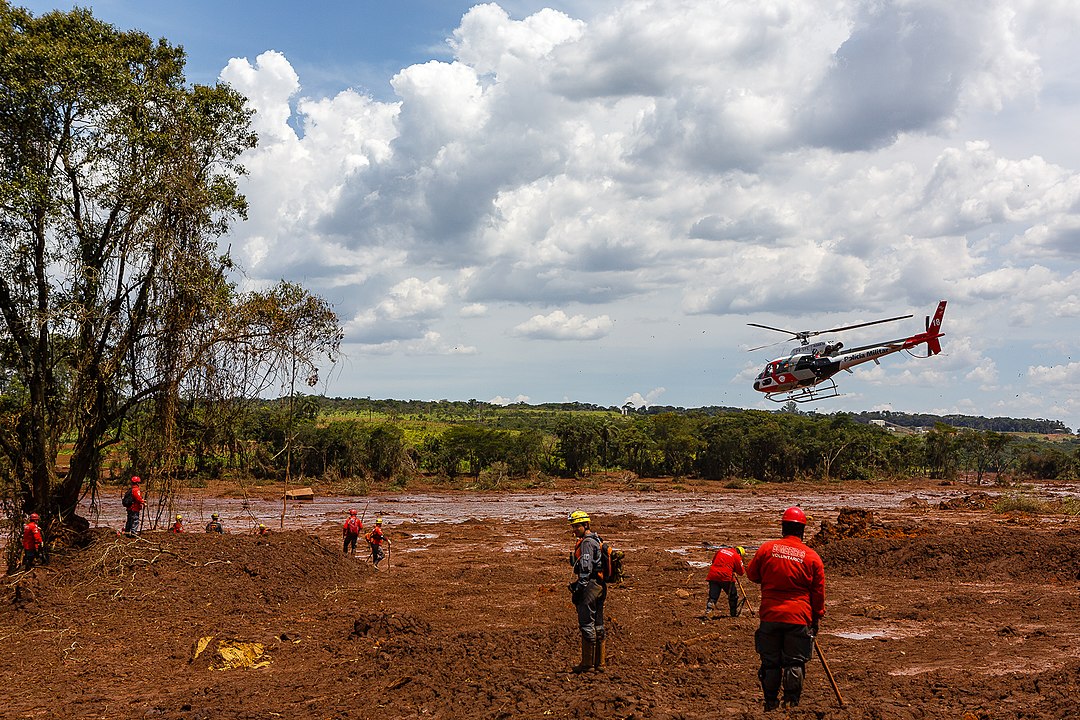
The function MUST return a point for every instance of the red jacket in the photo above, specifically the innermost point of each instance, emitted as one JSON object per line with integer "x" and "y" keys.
{"x": 137, "y": 502}
{"x": 375, "y": 537}
{"x": 352, "y": 527}
{"x": 177, "y": 527}
{"x": 31, "y": 537}
{"x": 726, "y": 564}
{"x": 792, "y": 579}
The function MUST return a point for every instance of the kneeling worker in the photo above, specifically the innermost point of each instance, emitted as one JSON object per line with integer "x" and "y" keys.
{"x": 792, "y": 580}
{"x": 588, "y": 591}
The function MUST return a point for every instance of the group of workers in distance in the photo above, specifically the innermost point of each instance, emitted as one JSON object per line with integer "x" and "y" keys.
{"x": 792, "y": 580}
{"x": 375, "y": 538}
{"x": 134, "y": 503}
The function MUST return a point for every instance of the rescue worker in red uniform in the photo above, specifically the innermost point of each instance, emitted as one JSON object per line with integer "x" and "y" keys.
{"x": 32, "y": 541}
{"x": 178, "y": 526}
{"x": 262, "y": 530}
{"x": 792, "y": 579}
{"x": 134, "y": 510}
{"x": 588, "y": 591}
{"x": 726, "y": 564}
{"x": 350, "y": 533}
{"x": 375, "y": 539}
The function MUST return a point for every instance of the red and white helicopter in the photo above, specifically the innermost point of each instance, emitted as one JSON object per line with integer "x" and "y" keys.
{"x": 807, "y": 373}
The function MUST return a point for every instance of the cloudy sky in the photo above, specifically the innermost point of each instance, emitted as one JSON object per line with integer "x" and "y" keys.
{"x": 588, "y": 200}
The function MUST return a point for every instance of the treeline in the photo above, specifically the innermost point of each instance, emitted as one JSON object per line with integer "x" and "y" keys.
{"x": 393, "y": 441}
{"x": 973, "y": 422}
{"x": 476, "y": 408}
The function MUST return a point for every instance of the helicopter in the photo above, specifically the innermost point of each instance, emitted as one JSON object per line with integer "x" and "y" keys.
{"x": 806, "y": 375}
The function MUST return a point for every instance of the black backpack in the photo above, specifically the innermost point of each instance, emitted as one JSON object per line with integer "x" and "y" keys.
{"x": 129, "y": 499}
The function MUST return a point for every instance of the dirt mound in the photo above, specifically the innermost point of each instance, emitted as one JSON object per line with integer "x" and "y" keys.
{"x": 914, "y": 502}
{"x": 194, "y": 568}
{"x": 382, "y": 625}
{"x": 974, "y": 501}
{"x": 858, "y": 523}
{"x": 961, "y": 553}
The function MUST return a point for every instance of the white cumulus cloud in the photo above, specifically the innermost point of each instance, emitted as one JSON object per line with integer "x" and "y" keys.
{"x": 560, "y": 326}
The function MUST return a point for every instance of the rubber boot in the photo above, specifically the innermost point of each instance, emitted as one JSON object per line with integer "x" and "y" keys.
{"x": 599, "y": 655}
{"x": 588, "y": 652}
{"x": 793, "y": 681}
{"x": 770, "y": 687}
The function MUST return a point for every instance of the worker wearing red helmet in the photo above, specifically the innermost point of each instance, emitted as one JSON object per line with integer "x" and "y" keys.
{"x": 726, "y": 564}
{"x": 375, "y": 539}
{"x": 792, "y": 579}
{"x": 32, "y": 541}
{"x": 133, "y": 501}
{"x": 350, "y": 533}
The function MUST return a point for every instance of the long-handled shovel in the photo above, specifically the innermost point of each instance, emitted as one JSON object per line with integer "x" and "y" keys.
{"x": 743, "y": 593}
{"x": 828, "y": 673}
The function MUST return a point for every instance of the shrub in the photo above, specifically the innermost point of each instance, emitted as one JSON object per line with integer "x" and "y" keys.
{"x": 355, "y": 487}
{"x": 1015, "y": 502}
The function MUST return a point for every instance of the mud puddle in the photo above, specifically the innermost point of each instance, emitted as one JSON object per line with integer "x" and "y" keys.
{"x": 240, "y": 514}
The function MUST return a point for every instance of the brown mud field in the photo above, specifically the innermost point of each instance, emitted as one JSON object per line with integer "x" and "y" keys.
{"x": 934, "y": 610}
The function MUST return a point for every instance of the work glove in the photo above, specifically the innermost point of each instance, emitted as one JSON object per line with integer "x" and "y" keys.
{"x": 814, "y": 629}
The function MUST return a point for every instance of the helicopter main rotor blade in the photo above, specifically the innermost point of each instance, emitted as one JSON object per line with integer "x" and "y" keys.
{"x": 789, "y": 332}
{"x": 762, "y": 347}
{"x": 804, "y": 335}
{"x": 865, "y": 324}
{"x": 876, "y": 322}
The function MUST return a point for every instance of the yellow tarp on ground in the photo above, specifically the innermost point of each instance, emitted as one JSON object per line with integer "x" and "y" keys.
{"x": 233, "y": 654}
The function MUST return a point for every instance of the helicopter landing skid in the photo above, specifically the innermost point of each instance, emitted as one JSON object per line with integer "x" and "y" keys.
{"x": 821, "y": 391}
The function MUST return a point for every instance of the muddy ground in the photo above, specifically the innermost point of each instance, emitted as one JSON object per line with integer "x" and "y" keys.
{"x": 933, "y": 612}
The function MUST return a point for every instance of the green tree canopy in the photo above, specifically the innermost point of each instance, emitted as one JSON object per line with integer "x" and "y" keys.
{"x": 116, "y": 178}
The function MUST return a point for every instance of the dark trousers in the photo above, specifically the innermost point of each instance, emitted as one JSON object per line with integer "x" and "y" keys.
{"x": 590, "y": 611}
{"x": 28, "y": 558}
{"x": 785, "y": 649}
{"x": 349, "y": 544}
{"x": 732, "y": 590}
{"x": 376, "y": 554}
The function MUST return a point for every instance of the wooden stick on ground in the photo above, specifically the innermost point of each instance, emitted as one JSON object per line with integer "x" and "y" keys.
{"x": 828, "y": 673}
{"x": 743, "y": 593}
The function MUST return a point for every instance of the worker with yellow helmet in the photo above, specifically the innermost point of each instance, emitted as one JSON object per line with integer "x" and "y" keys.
{"x": 727, "y": 563}
{"x": 588, "y": 591}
